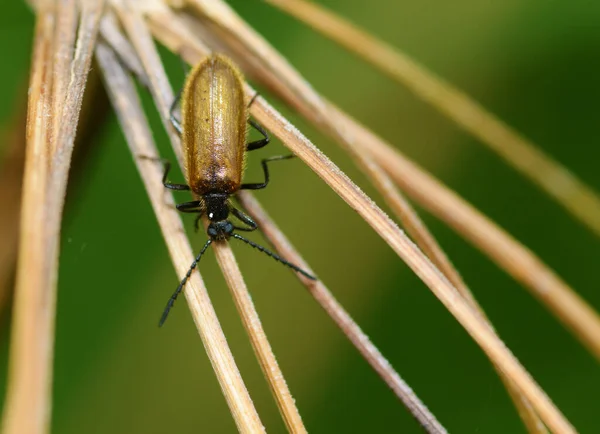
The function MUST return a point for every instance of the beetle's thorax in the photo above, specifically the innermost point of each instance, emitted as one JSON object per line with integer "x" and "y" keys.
{"x": 217, "y": 211}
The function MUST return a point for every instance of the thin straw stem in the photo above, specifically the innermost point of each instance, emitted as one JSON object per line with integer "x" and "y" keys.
{"x": 28, "y": 397}
{"x": 54, "y": 104}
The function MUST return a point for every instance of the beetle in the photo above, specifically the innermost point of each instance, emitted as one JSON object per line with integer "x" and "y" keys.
{"x": 213, "y": 134}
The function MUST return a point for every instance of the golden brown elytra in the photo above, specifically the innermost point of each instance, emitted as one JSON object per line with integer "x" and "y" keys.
{"x": 214, "y": 113}
{"x": 214, "y": 116}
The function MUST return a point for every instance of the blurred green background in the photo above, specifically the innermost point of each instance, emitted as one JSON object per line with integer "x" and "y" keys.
{"x": 536, "y": 64}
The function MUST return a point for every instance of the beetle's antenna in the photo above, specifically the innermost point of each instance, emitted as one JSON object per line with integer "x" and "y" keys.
{"x": 274, "y": 256}
{"x": 171, "y": 301}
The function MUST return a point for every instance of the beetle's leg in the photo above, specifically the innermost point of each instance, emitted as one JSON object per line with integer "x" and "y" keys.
{"x": 190, "y": 207}
{"x": 246, "y": 219}
{"x": 257, "y": 144}
{"x": 168, "y": 184}
{"x": 193, "y": 207}
{"x": 167, "y": 166}
{"x": 256, "y": 95}
{"x": 258, "y": 186}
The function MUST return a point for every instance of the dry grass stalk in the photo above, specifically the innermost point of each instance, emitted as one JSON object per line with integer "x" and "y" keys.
{"x": 109, "y": 29}
{"x": 556, "y": 180}
{"x": 174, "y": 33}
{"x": 139, "y": 138}
{"x": 53, "y": 110}
{"x": 343, "y": 320}
{"x": 28, "y": 396}
{"x": 65, "y": 32}
{"x": 142, "y": 41}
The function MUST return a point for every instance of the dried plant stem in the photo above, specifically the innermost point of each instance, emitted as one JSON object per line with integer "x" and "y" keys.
{"x": 109, "y": 29}
{"x": 343, "y": 320}
{"x": 65, "y": 32}
{"x": 54, "y": 103}
{"x": 415, "y": 259}
{"x": 555, "y": 179}
{"x": 139, "y": 138}
{"x": 28, "y": 404}
{"x": 163, "y": 95}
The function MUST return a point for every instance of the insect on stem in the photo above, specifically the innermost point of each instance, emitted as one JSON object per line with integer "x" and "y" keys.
{"x": 213, "y": 133}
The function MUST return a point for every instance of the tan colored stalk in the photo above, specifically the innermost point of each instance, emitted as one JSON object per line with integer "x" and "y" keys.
{"x": 139, "y": 138}
{"x": 65, "y": 32}
{"x": 142, "y": 41}
{"x": 109, "y": 29}
{"x": 28, "y": 400}
{"x": 54, "y": 104}
{"x": 556, "y": 180}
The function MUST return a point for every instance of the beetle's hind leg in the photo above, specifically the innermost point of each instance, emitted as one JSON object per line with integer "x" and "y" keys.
{"x": 167, "y": 167}
{"x": 264, "y": 162}
{"x": 257, "y": 144}
{"x": 195, "y": 206}
{"x": 246, "y": 219}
